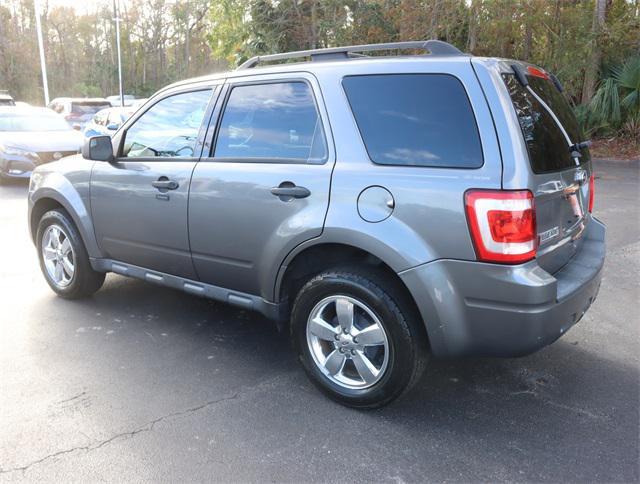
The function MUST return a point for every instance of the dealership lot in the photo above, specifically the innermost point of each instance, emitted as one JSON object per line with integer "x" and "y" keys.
{"x": 144, "y": 383}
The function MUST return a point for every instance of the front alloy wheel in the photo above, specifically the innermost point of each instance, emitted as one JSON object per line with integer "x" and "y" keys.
{"x": 58, "y": 256}
{"x": 63, "y": 257}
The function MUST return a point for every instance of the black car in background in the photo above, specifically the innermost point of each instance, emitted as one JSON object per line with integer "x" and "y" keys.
{"x": 6, "y": 99}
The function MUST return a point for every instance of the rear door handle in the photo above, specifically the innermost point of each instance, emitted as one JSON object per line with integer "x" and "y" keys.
{"x": 163, "y": 183}
{"x": 287, "y": 190}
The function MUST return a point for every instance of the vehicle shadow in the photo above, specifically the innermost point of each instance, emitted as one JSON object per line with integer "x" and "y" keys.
{"x": 532, "y": 415}
{"x": 555, "y": 380}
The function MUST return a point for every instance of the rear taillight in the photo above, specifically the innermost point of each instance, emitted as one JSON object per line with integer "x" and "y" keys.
{"x": 592, "y": 192}
{"x": 502, "y": 225}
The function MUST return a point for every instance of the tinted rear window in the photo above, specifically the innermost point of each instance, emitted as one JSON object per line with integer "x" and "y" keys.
{"x": 88, "y": 107}
{"x": 415, "y": 119}
{"x": 547, "y": 146}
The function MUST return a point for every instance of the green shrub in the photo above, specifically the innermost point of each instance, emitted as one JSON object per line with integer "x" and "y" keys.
{"x": 615, "y": 107}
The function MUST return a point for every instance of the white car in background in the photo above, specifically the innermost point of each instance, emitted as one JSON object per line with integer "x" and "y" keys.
{"x": 117, "y": 102}
{"x": 107, "y": 121}
{"x": 78, "y": 111}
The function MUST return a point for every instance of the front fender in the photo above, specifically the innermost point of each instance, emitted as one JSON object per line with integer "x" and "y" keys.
{"x": 71, "y": 191}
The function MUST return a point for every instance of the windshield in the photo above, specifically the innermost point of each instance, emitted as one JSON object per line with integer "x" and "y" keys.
{"x": 547, "y": 146}
{"x": 33, "y": 122}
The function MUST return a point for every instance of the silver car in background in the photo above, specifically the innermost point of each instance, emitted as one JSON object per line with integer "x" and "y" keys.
{"x": 30, "y": 137}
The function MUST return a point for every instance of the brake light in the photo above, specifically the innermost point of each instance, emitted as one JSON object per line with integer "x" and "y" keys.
{"x": 592, "y": 192}
{"x": 502, "y": 225}
{"x": 536, "y": 72}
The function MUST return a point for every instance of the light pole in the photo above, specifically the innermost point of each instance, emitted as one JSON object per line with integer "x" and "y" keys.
{"x": 116, "y": 12}
{"x": 43, "y": 65}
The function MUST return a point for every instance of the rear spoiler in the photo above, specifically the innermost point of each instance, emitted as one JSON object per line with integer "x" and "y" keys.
{"x": 521, "y": 75}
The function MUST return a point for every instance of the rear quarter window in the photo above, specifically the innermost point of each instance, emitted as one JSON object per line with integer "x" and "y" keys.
{"x": 415, "y": 120}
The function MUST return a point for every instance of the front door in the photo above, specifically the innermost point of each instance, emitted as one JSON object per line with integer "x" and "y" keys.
{"x": 265, "y": 187}
{"x": 139, "y": 202}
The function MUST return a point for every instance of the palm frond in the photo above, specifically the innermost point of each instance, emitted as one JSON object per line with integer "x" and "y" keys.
{"x": 606, "y": 102}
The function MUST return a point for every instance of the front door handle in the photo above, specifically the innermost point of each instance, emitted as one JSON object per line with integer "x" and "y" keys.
{"x": 288, "y": 190}
{"x": 163, "y": 183}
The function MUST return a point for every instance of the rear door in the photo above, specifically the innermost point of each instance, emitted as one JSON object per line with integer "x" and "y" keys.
{"x": 560, "y": 173}
{"x": 264, "y": 188}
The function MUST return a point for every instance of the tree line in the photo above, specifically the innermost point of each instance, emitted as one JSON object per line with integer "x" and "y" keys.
{"x": 586, "y": 43}
{"x": 161, "y": 41}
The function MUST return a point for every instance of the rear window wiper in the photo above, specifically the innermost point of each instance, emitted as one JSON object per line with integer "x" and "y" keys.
{"x": 576, "y": 148}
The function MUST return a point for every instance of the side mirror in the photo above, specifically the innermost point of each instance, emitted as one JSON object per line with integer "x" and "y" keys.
{"x": 113, "y": 126}
{"x": 98, "y": 148}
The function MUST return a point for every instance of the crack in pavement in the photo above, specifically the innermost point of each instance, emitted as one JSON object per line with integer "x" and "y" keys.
{"x": 553, "y": 403}
{"x": 150, "y": 425}
{"x": 144, "y": 428}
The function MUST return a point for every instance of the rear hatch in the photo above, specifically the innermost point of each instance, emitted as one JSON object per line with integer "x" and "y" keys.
{"x": 561, "y": 168}
{"x": 83, "y": 111}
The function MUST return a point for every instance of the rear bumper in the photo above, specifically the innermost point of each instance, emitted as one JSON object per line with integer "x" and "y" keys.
{"x": 479, "y": 309}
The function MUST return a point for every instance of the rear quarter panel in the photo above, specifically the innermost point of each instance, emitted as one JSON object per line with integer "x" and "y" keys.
{"x": 428, "y": 221}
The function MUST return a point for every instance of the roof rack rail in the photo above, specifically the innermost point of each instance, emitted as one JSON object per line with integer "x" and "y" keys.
{"x": 434, "y": 47}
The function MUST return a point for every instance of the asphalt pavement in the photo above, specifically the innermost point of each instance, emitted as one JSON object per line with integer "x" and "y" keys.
{"x": 142, "y": 383}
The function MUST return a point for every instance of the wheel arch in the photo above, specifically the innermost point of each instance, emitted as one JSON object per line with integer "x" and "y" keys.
{"x": 313, "y": 258}
{"x": 48, "y": 198}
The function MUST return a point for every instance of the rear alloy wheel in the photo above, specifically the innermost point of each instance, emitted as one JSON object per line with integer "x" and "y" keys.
{"x": 358, "y": 337}
{"x": 348, "y": 342}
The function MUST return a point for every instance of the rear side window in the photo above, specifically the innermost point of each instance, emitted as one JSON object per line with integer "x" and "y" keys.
{"x": 415, "y": 119}
{"x": 548, "y": 149}
{"x": 275, "y": 122}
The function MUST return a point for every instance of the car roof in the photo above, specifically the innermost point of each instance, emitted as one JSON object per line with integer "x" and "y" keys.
{"x": 338, "y": 58}
{"x": 81, "y": 99}
{"x": 26, "y": 110}
{"x": 115, "y": 109}
{"x": 311, "y": 66}
{"x": 4, "y": 95}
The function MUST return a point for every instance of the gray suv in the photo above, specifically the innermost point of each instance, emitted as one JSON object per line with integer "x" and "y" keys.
{"x": 379, "y": 208}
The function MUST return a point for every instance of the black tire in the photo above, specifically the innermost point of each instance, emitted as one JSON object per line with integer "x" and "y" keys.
{"x": 85, "y": 281}
{"x": 407, "y": 342}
